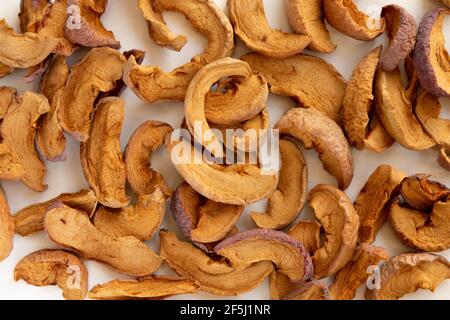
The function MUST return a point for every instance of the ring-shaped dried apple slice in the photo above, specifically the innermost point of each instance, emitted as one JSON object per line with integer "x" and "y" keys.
{"x": 355, "y": 273}
{"x": 238, "y": 184}
{"x": 310, "y": 81}
{"x": 31, "y": 219}
{"x": 221, "y": 279}
{"x": 306, "y": 17}
{"x": 408, "y": 273}
{"x": 236, "y": 100}
{"x": 140, "y": 220}
{"x": 194, "y": 103}
{"x": 84, "y": 26}
{"x": 6, "y": 228}
{"x": 286, "y": 203}
{"x": 396, "y": 112}
{"x": 422, "y": 230}
{"x": 50, "y": 137}
{"x": 428, "y": 110}
{"x": 144, "y": 141}
{"x": 246, "y": 248}
{"x": 315, "y": 130}
{"x": 358, "y": 105}
{"x": 345, "y": 17}
{"x": 25, "y": 50}
{"x": 422, "y": 193}
{"x": 72, "y": 228}
{"x": 151, "y": 287}
{"x": 201, "y": 220}
{"x": 87, "y": 79}
{"x": 152, "y": 83}
{"x": 54, "y": 267}
{"x": 18, "y": 131}
{"x": 401, "y": 28}
{"x": 251, "y": 26}
{"x": 370, "y": 204}
{"x": 431, "y": 59}
{"x": 340, "y": 222}
{"x": 101, "y": 155}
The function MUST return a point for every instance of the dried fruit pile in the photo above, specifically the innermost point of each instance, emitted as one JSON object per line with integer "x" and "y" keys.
{"x": 110, "y": 223}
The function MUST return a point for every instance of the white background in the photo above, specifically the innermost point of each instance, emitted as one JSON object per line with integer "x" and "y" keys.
{"x": 125, "y": 19}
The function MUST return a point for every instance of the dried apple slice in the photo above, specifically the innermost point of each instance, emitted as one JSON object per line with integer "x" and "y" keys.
{"x": 358, "y": 100}
{"x": 307, "y": 18}
{"x": 50, "y": 137}
{"x": 309, "y": 81}
{"x": 153, "y": 84}
{"x": 84, "y": 26}
{"x": 430, "y": 57}
{"x": 340, "y": 222}
{"x": 345, "y": 17}
{"x": 428, "y": 110}
{"x": 396, "y": 113}
{"x": 421, "y": 193}
{"x": 236, "y": 99}
{"x": 151, "y": 287}
{"x": 18, "y": 131}
{"x": 420, "y": 229}
{"x": 200, "y": 219}
{"x": 72, "y": 228}
{"x": 6, "y": 228}
{"x": 382, "y": 185}
{"x": 54, "y": 267}
{"x": 286, "y": 203}
{"x": 408, "y": 273}
{"x": 75, "y": 103}
{"x": 401, "y": 28}
{"x": 31, "y": 219}
{"x": 317, "y": 131}
{"x": 140, "y": 220}
{"x": 101, "y": 155}
{"x": 25, "y": 50}
{"x": 355, "y": 273}
{"x": 144, "y": 141}
{"x": 251, "y": 26}
{"x": 238, "y": 184}
{"x": 246, "y": 248}
{"x": 210, "y": 275}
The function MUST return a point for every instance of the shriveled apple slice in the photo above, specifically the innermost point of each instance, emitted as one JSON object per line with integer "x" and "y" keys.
{"x": 428, "y": 110}
{"x": 430, "y": 56}
{"x": 251, "y": 26}
{"x": 340, "y": 222}
{"x": 210, "y": 275}
{"x": 140, "y": 220}
{"x": 309, "y": 81}
{"x": 151, "y": 287}
{"x": 317, "y": 131}
{"x": 345, "y": 17}
{"x": 422, "y": 193}
{"x": 408, "y": 273}
{"x": 246, "y": 248}
{"x": 401, "y": 28}
{"x": 422, "y": 230}
{"x": 286, "y": 203}
{"x": 396, "y": 113}
{"x": 238, "y": 184}
{"x": 306, "y": 17}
